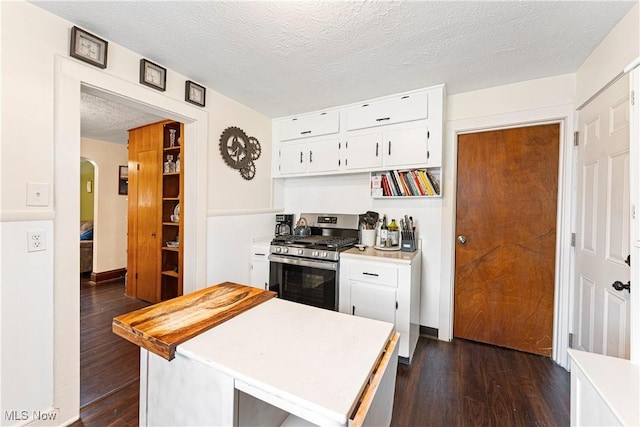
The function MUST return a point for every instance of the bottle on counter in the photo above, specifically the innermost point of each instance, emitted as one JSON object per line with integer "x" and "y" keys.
{"x": 384, "y": 232}
{"x": 394, "y": 233}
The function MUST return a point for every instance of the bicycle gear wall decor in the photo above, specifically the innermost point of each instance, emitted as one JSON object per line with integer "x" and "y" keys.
{"x": 239, "y": 151}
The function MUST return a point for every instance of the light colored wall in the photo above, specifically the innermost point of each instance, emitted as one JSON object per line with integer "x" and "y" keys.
{"x": 616, "y": 51}
{"x": 110, "y": 219}
{"x": 40, "y": 365}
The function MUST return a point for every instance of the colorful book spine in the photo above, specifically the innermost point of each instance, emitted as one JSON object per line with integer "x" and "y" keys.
{"x": 434, "y": 182}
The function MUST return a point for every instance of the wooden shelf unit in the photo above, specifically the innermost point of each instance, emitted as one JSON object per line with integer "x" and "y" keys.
{"x": 155, "y": 270}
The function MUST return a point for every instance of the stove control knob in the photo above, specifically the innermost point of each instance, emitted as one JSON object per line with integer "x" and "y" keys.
{"x": 278, "y": 249}
{"x": 285, "y": 250}
{"x": 300, "y": 251}
{"x": 325, "y": 254}
{"x": 316, "y": 253}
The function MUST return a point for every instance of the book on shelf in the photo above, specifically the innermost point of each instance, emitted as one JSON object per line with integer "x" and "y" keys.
{"x": 434, "y": 182}
{"x": 425, "y": 181}
{"x": 401, "y": 190}
{"x": 405, "y": 183}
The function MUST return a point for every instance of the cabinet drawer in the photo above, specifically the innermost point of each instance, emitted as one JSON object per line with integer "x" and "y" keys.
{"x": 323, "y": 123}
{"x": 380, "y": 274}
{"x": 402, "y": 108}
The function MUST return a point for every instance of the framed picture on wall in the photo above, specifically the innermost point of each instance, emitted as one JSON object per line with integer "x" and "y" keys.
{"x": 123, "y": 180}
{"x": 194, "y": 93}
{"x": 153, "y": 75}
{"x": 88, "y": 48}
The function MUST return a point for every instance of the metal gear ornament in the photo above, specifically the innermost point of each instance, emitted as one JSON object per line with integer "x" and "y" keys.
{"x": 239, "y": 151}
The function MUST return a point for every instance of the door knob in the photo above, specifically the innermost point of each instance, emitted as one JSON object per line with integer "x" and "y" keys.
{"x": 619, "y": 286}
{"x": 462, "y": 239}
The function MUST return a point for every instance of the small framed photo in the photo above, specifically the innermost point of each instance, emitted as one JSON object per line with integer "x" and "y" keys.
{"x": 88, "y": 48}
{"x": 194, "y": 93}
{"x": 153, "y": 75}
{"x": 123, "y": 181}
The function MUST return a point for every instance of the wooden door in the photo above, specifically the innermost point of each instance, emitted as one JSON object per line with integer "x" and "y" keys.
{"x": 506, "y": 237}
{"x": 603, "y": 222}
{"x": 144, "y": 211}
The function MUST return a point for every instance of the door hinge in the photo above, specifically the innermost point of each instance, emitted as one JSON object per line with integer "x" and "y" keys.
{"x": 346, "y": 162}
{"x": 396, "y": 305}
{"x": 346, "y": 145}
{"x": 427, "y": 154}
{"x": 570, "y": 340}
{"x": 633, "y": 211}
{"x": 576, "y": 138}
{"x": 633, "y": 97}
{"x": 138, "y": 166}
{"x": 573, "y": 240}
{"x": 136, "y": 276}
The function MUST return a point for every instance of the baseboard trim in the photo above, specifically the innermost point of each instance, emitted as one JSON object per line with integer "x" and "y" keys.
{"x": 105, "y": 276}
{"x": 429, "y": 332}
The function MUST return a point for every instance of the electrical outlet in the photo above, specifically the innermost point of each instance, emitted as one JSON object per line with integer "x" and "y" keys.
{"x": 36, "y": 241}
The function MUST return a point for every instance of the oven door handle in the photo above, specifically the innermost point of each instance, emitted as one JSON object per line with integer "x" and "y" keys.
{"x": 324, "y": 265}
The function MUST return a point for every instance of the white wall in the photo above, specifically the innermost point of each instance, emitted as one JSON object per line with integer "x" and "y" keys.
{"x": 616, "y": 51}
{"x": 110, "y": 214}
{"x": 41, "y": 143}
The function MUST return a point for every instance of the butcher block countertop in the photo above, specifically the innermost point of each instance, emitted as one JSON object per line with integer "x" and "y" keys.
{"x": 163, "y": 326}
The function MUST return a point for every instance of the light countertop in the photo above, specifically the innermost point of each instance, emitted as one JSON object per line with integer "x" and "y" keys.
{"x": 371, "y": 254}
{"x": 616, "y": 380}
{"x": 312, "y": 360}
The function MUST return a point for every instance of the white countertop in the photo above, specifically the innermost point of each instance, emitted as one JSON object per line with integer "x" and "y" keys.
{"x": 371, "y": 254}
{"x": 616, "y": 380}
{"x": 307, "y": 358}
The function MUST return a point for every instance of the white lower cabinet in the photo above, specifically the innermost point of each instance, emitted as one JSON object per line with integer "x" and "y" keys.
{"x": 259, "y": 273}
{"x": 373, "y": 301}
{"x": 383, "y": 286}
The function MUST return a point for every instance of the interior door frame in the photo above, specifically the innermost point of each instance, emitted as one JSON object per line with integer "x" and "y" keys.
{"x": 564, "y": 116}
{"x": 70, "y": 78}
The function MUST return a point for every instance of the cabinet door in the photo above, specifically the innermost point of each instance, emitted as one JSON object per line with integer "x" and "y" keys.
{"x": 397, "y": 109}
{"x": 373, "y": 301}
{"x": 322, "y": 156}
{"x": 323, "y": 123}
{"x": 260, "y": 273}
{"x": 406, "y": 147}
{"x": 292, "y": 158}
{"x": 363, "y": 151}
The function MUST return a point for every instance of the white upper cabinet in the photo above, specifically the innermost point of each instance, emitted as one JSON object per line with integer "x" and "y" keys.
{"x": 395, "y": 132}
{"x": 406, "y": 147}
{"x": 308, "y": 157}
{"x": 308, "y": 125}
{"x": 363, "y": 152}
{"x": 396, "y": 109}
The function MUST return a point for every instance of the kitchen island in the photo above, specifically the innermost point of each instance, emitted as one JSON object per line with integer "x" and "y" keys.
{"x": 274, "y": 363}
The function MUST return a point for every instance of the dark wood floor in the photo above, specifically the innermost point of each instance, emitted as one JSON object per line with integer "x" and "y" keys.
{"x": 461, "y": 383}
{"x": 109, "y": 365}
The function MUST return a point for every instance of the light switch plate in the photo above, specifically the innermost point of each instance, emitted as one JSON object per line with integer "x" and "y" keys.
{"x": 37, "y": 194}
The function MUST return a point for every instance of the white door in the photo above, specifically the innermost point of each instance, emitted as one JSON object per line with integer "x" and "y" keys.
{"x": 373, "y": 301}
{"x": 406, "y": 147}
{"x": 602, "y": 226}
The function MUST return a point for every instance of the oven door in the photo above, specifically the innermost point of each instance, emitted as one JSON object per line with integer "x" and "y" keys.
{"x": 306, "y": 281}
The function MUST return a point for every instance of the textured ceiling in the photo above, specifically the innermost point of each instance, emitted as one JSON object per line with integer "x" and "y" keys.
{"x": 283, "y": 58}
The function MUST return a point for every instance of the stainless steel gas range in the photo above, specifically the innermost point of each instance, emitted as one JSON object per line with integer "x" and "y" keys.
{"x": 304, "y": 266}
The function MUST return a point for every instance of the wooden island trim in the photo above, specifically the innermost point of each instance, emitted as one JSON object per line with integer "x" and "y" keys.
{"x": 160, "y": 328}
